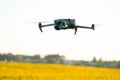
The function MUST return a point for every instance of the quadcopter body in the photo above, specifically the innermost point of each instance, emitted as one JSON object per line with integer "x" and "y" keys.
{"x": 63, "y": 24}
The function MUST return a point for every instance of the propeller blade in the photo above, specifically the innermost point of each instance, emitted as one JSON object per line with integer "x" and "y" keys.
{"x": 39, "y": 22}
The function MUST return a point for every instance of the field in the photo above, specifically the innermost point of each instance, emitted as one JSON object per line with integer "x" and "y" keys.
{"x": 27, "y": 71}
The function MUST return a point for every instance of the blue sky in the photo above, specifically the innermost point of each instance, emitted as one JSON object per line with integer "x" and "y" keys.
{"x": 19, "y": 35}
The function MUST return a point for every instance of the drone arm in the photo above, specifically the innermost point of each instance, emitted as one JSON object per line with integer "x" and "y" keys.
{"x": 92, "y": 27}
{"x": 40, "y": 26}
{"x": 47, "y": 25}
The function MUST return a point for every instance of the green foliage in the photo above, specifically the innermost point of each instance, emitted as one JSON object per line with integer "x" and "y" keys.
{"x": 54, "y": 59}
{"x": 94, "y": 59}
{"x": 57, "y": 59}
{"x": 20, "y": 58}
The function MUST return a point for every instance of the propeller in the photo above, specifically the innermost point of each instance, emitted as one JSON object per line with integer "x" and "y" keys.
{"x": 40, "y": 22}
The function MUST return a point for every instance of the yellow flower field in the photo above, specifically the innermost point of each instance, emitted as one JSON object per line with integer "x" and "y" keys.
{"x": 27, "y": 71}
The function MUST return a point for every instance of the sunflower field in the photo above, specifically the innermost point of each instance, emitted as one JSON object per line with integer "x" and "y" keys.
{"x": 29, "y": 71}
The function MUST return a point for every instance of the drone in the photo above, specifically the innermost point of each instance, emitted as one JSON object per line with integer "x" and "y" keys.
{"x": 63, "y": 24}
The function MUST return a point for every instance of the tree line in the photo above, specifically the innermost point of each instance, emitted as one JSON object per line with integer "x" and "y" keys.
{"x": 9, "y": 57}
{"x": 57, "y": 59}
{"x": 98, "y": 63}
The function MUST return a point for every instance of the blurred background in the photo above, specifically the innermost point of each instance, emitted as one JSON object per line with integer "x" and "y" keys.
{"x": 19, "y": 35}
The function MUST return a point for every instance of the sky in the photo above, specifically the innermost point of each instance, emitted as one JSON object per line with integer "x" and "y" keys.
{"x": 19, "y": 32}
